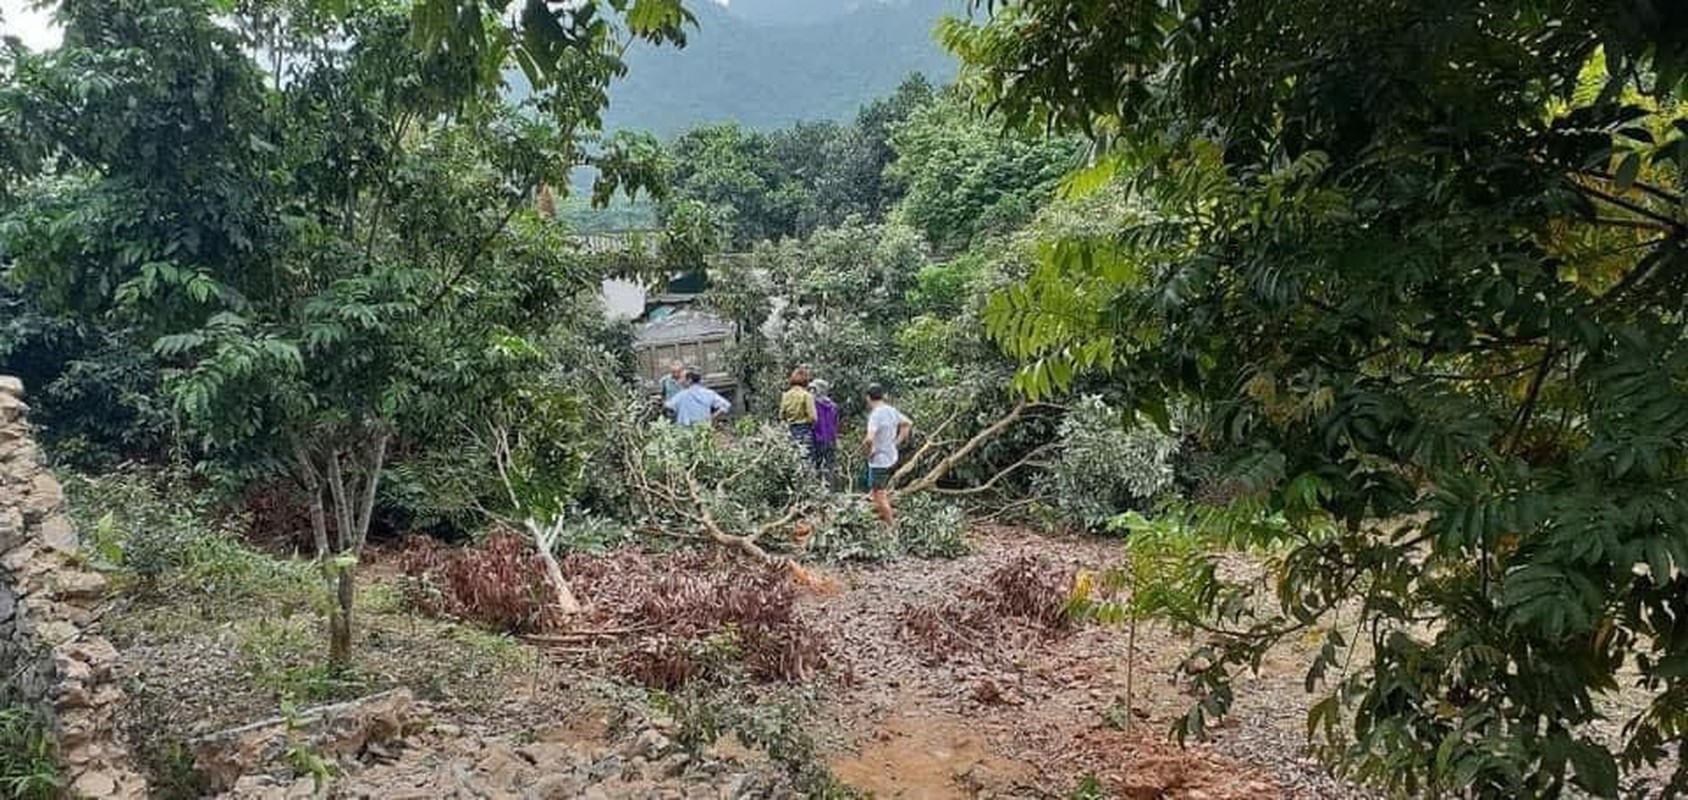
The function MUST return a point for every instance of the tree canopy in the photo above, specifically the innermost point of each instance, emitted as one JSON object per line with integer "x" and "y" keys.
{"x": 1421, "y": 267}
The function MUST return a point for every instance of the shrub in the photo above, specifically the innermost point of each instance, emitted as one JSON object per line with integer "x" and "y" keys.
{"x": 849, "y": 531}
{"x": 28, "y": 763}
{"x": 928, "y": 527}
{"x": 164, "y": 535}
{"x": 1104, "y": 467}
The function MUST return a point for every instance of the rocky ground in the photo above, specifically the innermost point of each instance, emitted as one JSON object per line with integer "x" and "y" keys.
{"x": 586, "y": 755}
{"x": 1015, "y": 708}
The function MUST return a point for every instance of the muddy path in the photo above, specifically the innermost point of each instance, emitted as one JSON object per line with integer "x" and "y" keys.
{"x": 1030, "y": 713}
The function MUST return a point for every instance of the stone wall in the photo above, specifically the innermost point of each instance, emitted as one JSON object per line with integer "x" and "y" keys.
{"x": 51, "y": 651}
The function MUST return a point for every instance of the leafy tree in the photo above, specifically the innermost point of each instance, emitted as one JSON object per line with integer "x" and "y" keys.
{"x": 1103, "y": 467}
{"x": 792, "y": 182}
{"x": 875, "y": 123}
{"x": 1423, "y": 266}
{"x": 964, "y": 178}
{"x": 328, "y": 263}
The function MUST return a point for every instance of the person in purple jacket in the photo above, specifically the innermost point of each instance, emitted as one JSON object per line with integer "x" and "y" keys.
{"x": 824, "y": 453}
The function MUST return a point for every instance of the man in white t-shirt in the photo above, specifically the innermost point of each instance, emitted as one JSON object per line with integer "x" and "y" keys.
{"x": 887, "y": 430}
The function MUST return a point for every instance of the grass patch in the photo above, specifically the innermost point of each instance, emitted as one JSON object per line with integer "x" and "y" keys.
{"x": 28, "y": 767}
{"x": 162, "y": 540}
{"x": 287, "y": 659}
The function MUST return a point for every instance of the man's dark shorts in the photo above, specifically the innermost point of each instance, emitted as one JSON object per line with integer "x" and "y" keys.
{"x": 877, "y": 478}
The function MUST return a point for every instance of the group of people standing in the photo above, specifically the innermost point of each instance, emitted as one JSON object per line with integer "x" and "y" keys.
{"x": 811, "y": 416}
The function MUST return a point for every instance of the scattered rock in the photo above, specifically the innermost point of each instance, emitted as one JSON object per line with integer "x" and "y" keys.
{"x": 94, "y": 784}
{"x": 556, "y": 787}
{"x": 652, "y": 744}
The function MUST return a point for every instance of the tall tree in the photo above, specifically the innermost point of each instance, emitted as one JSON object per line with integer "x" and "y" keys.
{"x": 963, "y": 178}
{"x": 328, "y": 259}
{"x": 1424, "y": 266}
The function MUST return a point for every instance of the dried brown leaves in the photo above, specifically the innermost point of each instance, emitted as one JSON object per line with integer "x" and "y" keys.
{"x": 1027, "y": 592}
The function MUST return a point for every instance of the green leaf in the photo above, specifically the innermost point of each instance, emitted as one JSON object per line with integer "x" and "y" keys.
{"x": 1596, "y": 769}
{"x": 1628, "y": 169}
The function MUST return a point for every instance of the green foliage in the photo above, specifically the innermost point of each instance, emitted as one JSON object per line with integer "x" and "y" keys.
{"x": 331, "y": 259}
{"x": 1088, "y": 788}
{"x": 1105, "y": 465}
{"x": 928, "y": 527}
{"x": 281, "y": 656}
{"x": 29, "y": 767}
{"x": 744, "y": 484}
{"x": 779, "y": 726}
{"x": 1428, "y": 296}
{"x": 966, "y": 179}
{"x": 171, "y": 773}
{"x": 851, "y": 532}
{"x": 795, "y": 181}
{"x": 94, "y": 392}
{"x": 164, "y": 536}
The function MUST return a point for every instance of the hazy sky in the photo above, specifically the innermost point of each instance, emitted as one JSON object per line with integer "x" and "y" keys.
{"x": 34, "y": 27}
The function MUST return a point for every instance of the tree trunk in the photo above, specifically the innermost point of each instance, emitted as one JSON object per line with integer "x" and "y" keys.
{"x": 560, "y": 591}
{"x": 340, "y": 618}
{"x": 312, "y": 479}
{"x": 1130, "y": 671}
{"x": 943, "y": 467}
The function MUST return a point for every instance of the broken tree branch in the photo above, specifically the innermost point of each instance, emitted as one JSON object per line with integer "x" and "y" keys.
{"x": 942, "y": 468}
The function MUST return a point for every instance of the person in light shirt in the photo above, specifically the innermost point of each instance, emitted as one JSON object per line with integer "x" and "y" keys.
{"x": 887, "y": 430}
{"x": 696, "y": 404}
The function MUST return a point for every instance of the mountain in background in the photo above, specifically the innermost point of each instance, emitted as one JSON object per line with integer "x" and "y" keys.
{"x": 768, "y": 63}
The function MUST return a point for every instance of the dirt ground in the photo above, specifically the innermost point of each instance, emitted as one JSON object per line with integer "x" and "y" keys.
{"x": 1028, "y": 715}
{"x": 1025, "y": 712}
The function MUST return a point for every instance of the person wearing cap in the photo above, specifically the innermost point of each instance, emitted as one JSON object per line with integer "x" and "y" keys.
{"x": 887, "y": 430}
{"x": 824, "y": 454}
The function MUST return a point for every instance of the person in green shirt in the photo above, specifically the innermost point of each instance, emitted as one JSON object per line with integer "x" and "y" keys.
{"x": 797, "y": 411}
{"x": 674, "y": 381}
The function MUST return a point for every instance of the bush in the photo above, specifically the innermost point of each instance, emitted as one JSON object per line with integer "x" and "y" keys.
{"x": 743, "y": 482}
{"x": 1105, "y": 468}
{"x": 161, "y": 534}
{"x": 928, "y": 527}
{"x": 849, "y": 531}
{"x": 28, "y": 761}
